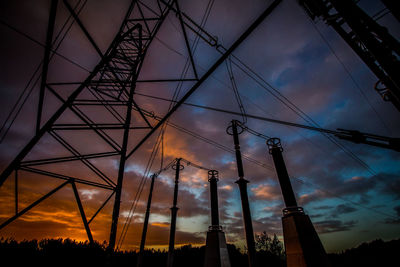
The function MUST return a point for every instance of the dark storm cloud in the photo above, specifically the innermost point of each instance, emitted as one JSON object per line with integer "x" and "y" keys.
{"x": 332, "y": 226}
{"x": 319, "y": 215}
{"x": 394, "y": 220}
{"x": 342, "y": 209}
{"x": 356, "y": 186}
{"x": 397, "y": 209}
{"x": 323, "y": 207}
{"x": 391, "y": 185}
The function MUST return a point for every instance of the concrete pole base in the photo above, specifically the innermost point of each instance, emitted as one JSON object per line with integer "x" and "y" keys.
{"x": 216, "y": 250}
{"x": 302, "y": 244}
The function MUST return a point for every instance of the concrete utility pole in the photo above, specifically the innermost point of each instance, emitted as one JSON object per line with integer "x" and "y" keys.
{"x": 242, "y": 183}
{"x": 146, "y": 222}
{"x": 174, "y": 210}
{"x": 216, "y": 249}
{"x": 302, "y": 244}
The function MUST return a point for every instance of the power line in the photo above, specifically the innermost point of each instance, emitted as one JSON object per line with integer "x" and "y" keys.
{"x": 139, "y": 191}
{"x": 235, "y": 89}
{"x": 211, "y": 142}
{"x": 248, "y": 158}
{"x": 43, "y": 45}
{"x": 284, "y": 100}
{"x": 160, "y": 138}
{"x": 247, "y": 115}
{"x": 344, "y": 199}
{"x": 195, "y": 165}
{"x": 37, "y": 69}
{"x": 349, "y": 74}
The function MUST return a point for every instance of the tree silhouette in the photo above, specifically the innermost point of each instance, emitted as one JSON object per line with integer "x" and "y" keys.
{"x": 270, "y": 249}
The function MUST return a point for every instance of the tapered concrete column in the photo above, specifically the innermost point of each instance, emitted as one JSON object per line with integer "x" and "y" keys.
{"x": 213, "y": 180}
{"x": 275, "y": 149}
{"x": 302, "y": 244}
{"x": 146, "y": 222}
{"x": 174, "y": 210}
{"x": 242, "y": 183}
{"x": 216, "y": 249}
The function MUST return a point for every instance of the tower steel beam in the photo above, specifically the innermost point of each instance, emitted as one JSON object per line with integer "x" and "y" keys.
{"x": 46, "y": 60}
{"x": 349, "y": 135}
{"x": 82, "y": 212}
{"x": 379, "y": 50}
{"x": 112, "y": 79}
{"x": 22, "y": 212}
{"x": 224, "y": 56}
{"x": 47, "y": 126}
{"x": 83, "y": 28}
{"x": 67, "y": 177}
{"x": 88, "y": 164}
{"x": 67, "y": 159}
{"x": 121, "y": 64}
{"x": 186, "y": 39}
{"x": 101, "y": 207}
{"x": 121, "y": 170}
{"x": 394, "y": 7}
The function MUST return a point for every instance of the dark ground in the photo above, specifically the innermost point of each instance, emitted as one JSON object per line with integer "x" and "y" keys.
{"x": 59, "y": 252}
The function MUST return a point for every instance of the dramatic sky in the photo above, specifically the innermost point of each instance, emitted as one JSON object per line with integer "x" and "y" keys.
{"x": 350, "y": 199}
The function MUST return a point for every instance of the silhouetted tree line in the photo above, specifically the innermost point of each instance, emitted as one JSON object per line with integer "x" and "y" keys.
{"x": 376, "y": 253}
{"x": 67, "y": 252}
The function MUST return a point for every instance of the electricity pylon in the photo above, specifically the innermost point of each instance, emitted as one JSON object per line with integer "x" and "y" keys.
{"x": 103, "y": 106}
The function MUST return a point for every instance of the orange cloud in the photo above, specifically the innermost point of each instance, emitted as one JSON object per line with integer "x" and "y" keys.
{"x": 160, "y": 224}
{"x": 266, "y": 192}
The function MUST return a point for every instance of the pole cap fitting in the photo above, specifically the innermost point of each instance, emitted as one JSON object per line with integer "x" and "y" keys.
{"x": 212, "y": 174}
{"x": 274, "y": 143}
{"x": 382, "y": 90}
{"x": 238, "y": 126}
{"x": 181, "y": 167}
{"x": 292, "y": 210}
{"x": 215, "y": 228}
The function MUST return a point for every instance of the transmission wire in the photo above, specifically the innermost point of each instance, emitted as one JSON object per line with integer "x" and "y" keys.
{"x": 265, "y": 166}
{"x": 228, "y": 64}
{"x": 274, "y": 92}
{"x": 350, "y": 75}
{"x": 37, "y": 69}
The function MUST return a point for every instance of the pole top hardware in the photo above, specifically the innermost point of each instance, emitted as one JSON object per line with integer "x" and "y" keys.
{"x": 212, "y": 174}
{"x": 273, "y": 143}
{"x": 181, "y": 167}
{"x": 215, "y": 228}
{"x": 291, "y": 210}
{"x": 238, "y": 126}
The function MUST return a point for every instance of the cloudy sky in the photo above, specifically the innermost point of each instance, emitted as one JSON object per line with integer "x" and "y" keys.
{"x": 289, "y": 69}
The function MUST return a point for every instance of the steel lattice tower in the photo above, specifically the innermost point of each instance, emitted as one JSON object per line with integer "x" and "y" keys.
{"x": 104, "y": 106}
{"x": 109, "y": 88}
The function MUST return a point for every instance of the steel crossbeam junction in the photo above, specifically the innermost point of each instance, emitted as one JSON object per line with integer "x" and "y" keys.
{"x": 102, "y": 107}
